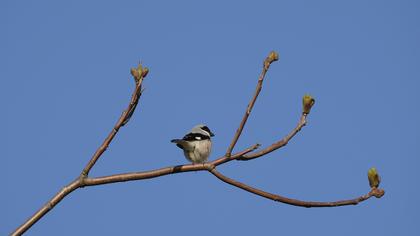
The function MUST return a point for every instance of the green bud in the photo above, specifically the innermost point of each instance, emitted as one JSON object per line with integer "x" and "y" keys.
{"x": 139, "y": 72}
{"x": 145, "y": 72}
{"x": 374, "y": 178}
{"x": 134, "y": 73}
{"x": 308, "y": 101}
{"x": 272, "y": 57}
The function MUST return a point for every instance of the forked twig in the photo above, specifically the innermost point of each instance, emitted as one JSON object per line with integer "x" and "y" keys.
{"x": 139, "y": 74}
{"x": 247, "y": 154}
{"x": 278, "y": 144}
{"x": 272, "y": 57}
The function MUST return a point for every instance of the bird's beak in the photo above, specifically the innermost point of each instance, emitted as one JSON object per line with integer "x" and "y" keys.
{"x": 211, "y": 134}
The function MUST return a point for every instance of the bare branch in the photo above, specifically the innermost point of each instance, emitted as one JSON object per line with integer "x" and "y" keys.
{"x": 84, "y": 181}
{"x": 47, "y": 207}
{"x": 164, "y": 171}
{"x": 247, "y": 154}
{"x": 272, "y": 57}
{"x": 279, "y": 144}
{"x": 235, "y": 156}
{"x": 138, "y": 74}
{"x": 374, "y": 192}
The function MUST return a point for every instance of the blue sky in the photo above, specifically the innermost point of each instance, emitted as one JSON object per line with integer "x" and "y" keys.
{"x": 65, "y": 81}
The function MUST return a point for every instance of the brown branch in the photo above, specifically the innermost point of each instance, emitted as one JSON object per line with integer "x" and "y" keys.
{"x": 163, "y": 171}
{"x": 47, "y": 207}
{"x": 374, "y": 192}
{"x": 138, "y": 75}
{"x": 273, "y": 56}
{"x": 83, "y": 180}
{"x": 279, "y": 144}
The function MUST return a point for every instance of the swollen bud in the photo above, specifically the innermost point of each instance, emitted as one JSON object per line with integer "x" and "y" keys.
{"x": 145, "y": 72}
{"x": 139, "y": 72}
{"x": 308, "y": 101}
{"x": 134, "y": 73}
{"x": 272, "y": 57}
{"x": 374, "y": 178}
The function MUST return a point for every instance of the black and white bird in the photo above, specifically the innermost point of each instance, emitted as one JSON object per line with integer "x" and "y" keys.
{"x": 196, "y": 144}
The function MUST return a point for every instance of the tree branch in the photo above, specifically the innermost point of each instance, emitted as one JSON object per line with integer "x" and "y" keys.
{"x": 139, "y": 74}
{"x": 47, "y": 207}
{"x": 279, "y": 144}
{"x": 247, "y": 154}
{"x": 163, "y": 171}
{"x": 272, "y": 57}
{"x": 83, "y": 182}
{"x": 374, "y": 192}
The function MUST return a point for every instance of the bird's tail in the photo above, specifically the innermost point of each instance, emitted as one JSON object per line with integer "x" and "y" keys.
{"x": 179, "y": 142}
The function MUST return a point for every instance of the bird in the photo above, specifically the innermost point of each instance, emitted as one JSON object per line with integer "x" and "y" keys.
{"x": 196, "y": 144}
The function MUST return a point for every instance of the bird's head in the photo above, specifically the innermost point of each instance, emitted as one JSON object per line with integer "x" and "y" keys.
{"x": 202, "y": 129}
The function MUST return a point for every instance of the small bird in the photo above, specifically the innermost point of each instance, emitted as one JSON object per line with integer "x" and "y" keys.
{"x": 196, "y": 144}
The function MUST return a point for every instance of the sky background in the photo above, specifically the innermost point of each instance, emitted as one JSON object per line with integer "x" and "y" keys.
{"x": 65, "y": 81}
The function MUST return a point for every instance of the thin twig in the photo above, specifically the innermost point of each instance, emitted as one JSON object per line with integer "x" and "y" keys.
{"x": 83, "y": 180}
{"x": 273, "y": 56}
{"x": 276, "y": 145}
{"x": 124, "y": 118}
{"x": 295, "y": 202}
{"x": 138, "y": 75}
{"x": 236, "y": 156}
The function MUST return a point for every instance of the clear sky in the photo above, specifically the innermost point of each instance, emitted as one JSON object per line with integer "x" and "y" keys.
{"x": 65, "y": 81}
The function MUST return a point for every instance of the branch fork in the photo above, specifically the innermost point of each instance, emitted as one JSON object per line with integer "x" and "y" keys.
{"x": 250, "y": 153}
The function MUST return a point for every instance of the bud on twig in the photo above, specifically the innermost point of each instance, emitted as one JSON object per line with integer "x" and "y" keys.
{"x": 134, "y": 73}
{"x": 374, "y": 178}
{"x": 308, "y": 101}
{"x": 139, "y": 72}
{"x": 145, "y": 72}
{"x": 272, "y": 57}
